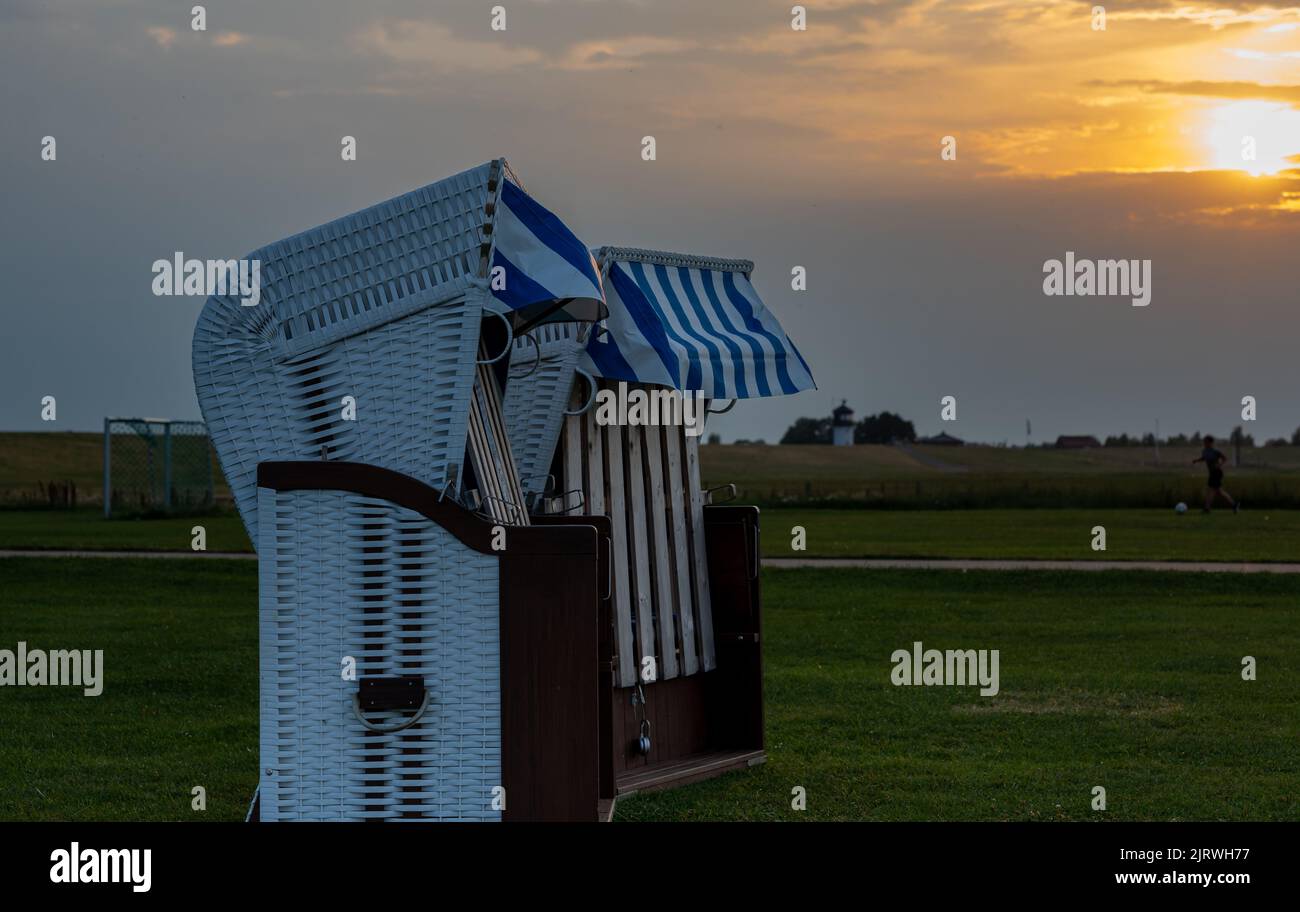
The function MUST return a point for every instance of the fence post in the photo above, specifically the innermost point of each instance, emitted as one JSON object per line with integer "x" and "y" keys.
{"x": 167, "y": 466}
{"x": 108, "y": 491}
{"x": 207, "y": 452}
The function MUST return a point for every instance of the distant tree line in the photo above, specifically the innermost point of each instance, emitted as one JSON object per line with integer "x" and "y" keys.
{"x": 1238, "y": 436}
{"x": 888, "y": 427}
{"x": 883, "y": 428}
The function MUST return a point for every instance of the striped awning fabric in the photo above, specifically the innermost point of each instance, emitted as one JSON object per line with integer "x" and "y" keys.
{"x": 691, "y": 323}
{"x": 548, "y": 273}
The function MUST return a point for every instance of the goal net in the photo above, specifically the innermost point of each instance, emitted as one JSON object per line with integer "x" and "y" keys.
{"x": 154, "y": 464}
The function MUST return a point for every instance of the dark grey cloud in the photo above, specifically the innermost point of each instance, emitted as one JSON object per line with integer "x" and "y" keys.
{"x": 917, "y": 288}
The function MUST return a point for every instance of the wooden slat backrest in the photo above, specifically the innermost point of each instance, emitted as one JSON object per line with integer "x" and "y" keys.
{"x": 700, "y": 565}
{"x": 646, "y": 479}
{"x": 662, "y": 556}
{"x": 681, "y": 551}
{"x": 639, "y": 539}
{"x": 489, "y": 450}
{"x": 575, "y": 493}
{"x": 608, "y": 475}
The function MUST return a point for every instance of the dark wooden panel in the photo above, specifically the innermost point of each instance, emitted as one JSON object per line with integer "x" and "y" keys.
{"x": 678, "y": 722}
{"x": 605, "y": 659}
{"x": 735, "y": 697}
{"x": 550, "y": 685}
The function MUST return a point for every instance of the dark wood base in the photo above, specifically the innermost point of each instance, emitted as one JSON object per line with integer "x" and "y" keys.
{"x": 686, "y": 771}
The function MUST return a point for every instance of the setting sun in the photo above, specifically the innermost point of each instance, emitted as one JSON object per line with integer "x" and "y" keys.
{"x": 1257, "y": 137}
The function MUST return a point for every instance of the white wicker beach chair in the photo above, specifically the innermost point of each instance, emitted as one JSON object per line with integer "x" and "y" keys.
{"x": 368, "y": 560}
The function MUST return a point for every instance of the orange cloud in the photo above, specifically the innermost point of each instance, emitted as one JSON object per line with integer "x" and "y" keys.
{"x": 230, "y": 39}
{"x": 162, "y": 36}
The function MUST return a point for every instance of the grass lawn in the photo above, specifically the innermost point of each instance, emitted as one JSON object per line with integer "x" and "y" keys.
{"x": 179, "y": 704}
{"x": 1252, "y": 535}
{"x": 35, "y": 456}
{"x": 1126, "y": 680}
{"x": 88, "y": 530}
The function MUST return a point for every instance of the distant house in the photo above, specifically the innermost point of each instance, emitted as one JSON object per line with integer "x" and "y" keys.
{"x": 942, "y": 440}
{"x": 1069, "y": 442}
{"x": 842, "y": 424}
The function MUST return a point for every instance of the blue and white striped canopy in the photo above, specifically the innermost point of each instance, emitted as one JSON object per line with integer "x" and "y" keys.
{"x": 548, "y": 272}
{"x": 692, "y": 324}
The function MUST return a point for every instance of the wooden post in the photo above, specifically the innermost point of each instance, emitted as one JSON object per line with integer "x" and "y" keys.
{"x": 108, "y": 456}
{"x": 663, "y": 556}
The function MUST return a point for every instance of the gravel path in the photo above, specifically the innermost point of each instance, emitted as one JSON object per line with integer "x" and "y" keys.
{"x": 948, "y": 564}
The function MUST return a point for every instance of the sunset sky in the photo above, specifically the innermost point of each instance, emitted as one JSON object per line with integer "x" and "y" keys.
{"x": 818, "y": 148}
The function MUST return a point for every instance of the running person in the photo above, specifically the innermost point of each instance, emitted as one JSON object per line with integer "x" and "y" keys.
{"x": 1214, "y": 461}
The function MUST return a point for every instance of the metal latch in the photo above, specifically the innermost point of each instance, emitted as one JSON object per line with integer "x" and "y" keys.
{"x": 391, "y": 694}
{"x": 398, "y": 692}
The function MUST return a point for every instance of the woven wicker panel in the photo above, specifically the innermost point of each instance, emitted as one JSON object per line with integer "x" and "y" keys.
{"x": 346, "y": 575}
{"x": 383, "y": 305}
{"x": 535, "y": 398}
{"x": 411, "y": 380}
{"x": 375, "y": 265}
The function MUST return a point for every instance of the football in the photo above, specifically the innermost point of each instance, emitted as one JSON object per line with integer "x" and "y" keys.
{"x": 1181, "y": 508}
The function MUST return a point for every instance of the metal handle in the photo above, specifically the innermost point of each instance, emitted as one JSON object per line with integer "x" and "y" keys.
{"x": 591, "y": 399}
{"x": 726, "y": 487}
{"x": 582, "y": 500}
{"x": 609, "y": 569}
{"x": 535, "y": 501}
{"x": 537, "y": 361}
{"x": 548, "y": 477}
{"x": 510, "y": 339}
{"x": 452, "y": 472}
{"x": 513, "y": 511}
{"x": 389, "y": 729}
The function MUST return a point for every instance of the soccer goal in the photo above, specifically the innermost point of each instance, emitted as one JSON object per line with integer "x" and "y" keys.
{"x": 155, "y": 464}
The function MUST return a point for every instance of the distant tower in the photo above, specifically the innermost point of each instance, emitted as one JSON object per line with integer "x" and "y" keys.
{"x": 842, "y": 425}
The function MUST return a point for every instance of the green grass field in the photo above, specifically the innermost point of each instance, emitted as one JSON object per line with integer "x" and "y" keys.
{"x": 1264, "y": 535}
{"x": 1253, "y": 535}
{"x": 27, "y": 458}
{"x": 928, "y": 477}
{"x": 88, "y": 530}
{"x": 179, "y": 705}
{"x": 1130, "y": 681}
{"x": 984, "y": 477}
{"x": 1125, "y": 680}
